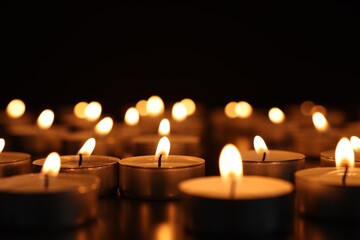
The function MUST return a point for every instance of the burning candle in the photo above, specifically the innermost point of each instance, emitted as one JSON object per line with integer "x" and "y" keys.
{"x": 48, "y": 199}
{"x": 234, "y": 204}
{"x": 102, "y": 166}
{"x": 274, "y": 163}
{"x": 157, "y": 176}
{"x": 13, "y": 163}
{"x": 330, "y": 193}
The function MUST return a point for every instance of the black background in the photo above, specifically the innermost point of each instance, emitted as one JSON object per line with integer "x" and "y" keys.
{"x": 265, "y": 52}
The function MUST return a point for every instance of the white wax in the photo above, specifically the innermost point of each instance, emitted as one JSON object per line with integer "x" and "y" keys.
{"x": 72, "y": 161}
{"x": 250, "y": 187}
{"x": 271, "y": 156}
{"x": 172, "y": 161}
{"x": 33, "y": 183}
{"x": 329, "y": 176}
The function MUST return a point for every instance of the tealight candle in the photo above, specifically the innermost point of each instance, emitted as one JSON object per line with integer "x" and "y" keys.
{"x": 235, "y": 205}
{"x": 13, "y": 163}
{"x": 48, "y": 199}
{"x": 102, "y": 166}
{"x": 274, "y": 163}
{"x": 157, "y": 176}
{"x": 330, "y": 193}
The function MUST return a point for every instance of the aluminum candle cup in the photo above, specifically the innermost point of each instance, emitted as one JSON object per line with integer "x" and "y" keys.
{"x": 140, "y": 176}
{"x": 327, "y": 158}
{"x": 260, "y": 206}
{"x": 321, "y": 194}
{"x": 14, "y": 163}
{"x": 104, "y": 167}
{"x": 69, "y": 200}
{"x": 277, "y": 163}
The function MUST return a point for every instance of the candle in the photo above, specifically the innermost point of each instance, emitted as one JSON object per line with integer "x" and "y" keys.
{"x": 157, "y": 176}
{"x": 234, "y": 204}
{"x": 102, "y": 166}
{"x": 49, "y": 199}
{"x": 274, "y": 163}
{"x": 181, "y": 144}
{"x": 13, "y": 163}
{"x": 330, "y": 193}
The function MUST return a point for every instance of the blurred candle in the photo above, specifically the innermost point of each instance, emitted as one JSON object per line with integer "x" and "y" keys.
{"x": 49, "y": 199}
{"x": 235, "y": 205}
{"x": 106, "y": 168}
{"x": 330, "y": 193}
{"x": 274, "y": 163}
{"x": 157, "y": 176}
{"x": 13, "y": 163}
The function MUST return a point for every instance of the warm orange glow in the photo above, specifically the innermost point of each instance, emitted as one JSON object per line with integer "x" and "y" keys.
{"x": 320, "y": 122}
{"x": 306, "y": 107}
{"x": 88, "y": 147}
{"x": 79, "y": 110}
{"x": 165, "y": 231}
{"x": 163, "y": 148}
{"x": 131, "y": 117}
{"x": 105, "y": 126}
{"x": 45, "y": 119}
{"x": 230, "y": 163}
{"x": 230, "y": 109}
{"x": 189, "y": 105}
{"x": 155, "y": 106}
{"x": 355, "y": 143}
{"x": 164, "y": 127}
{"x": 52, "y": 164}
{"x": 141, "y": 107}
{"x": 93, "y": 111}
{"x": 344, "y": 153}
{"x": 318, "y": 108}
{"x": 179, "y": 112}
{"x": 243, "y": 109}
{"x": 259, "y": 145}
{"x": 2, "y": 144}
{"x": 276, "y": 115}
{"x": 16, "y": 108}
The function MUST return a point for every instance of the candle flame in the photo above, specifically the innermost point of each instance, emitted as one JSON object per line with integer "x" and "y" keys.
{"x": 179, "y": 112}
{"x": 344, "y": 154}
{"x": 230, "y": 163}
{"x": 105, "y": 126}
{"x": 2, "y": 144}
{"x": 320, "y": 122}
{"x": 16, "y": 108}
{"x": 93, "y": 111}
{"x": 52, "y": 164}
{"x": 276, "y": 115}
{"x": 141, "y": 107}
{"x": 131, "y": 117}
{"x": 355, "y": 143}
{"x": 164, "y": 127}
{"x": 155, "y": 106}
{"x": 243, "y": 109}
{"x": 88, "y": 147}
{"x": 45, "y": 119}
{"x": 260, "y": 145}
{"x": 229, "y": 109}
{"x": 163, "y": 148}
{"x": 79, "y": 110}
{"x": 189, "y": 105}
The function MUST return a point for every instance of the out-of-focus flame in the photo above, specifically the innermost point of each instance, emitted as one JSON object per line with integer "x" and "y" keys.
{"x": 320, "y": 122}
{"x": 105, "y": 126}
{"x": 93, "y": 111}
{"x": 131, "y": 117}
{"x": 15, "y": 108}
{"x": 2, "y": 144}
{"x": 45, "y": 119}
{"x": 164, "y": 127}
{"x": 179, "y": 112}
{"x": 243, "y": 109}
{"x": 276, "y": 115}
{"x": 155, "y": 106}
{"x": 189, "y": 105}
{"x": 79, "y": 110}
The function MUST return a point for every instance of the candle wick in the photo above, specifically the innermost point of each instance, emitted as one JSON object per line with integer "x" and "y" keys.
{"x": 80, "y": 159}
{"x": 344, "y": 176}
{"x": 232, "y": 188}
{"x": 264, "y": 156}
{"x": 159, "y": 161}
{"x": 46, "y": 181}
